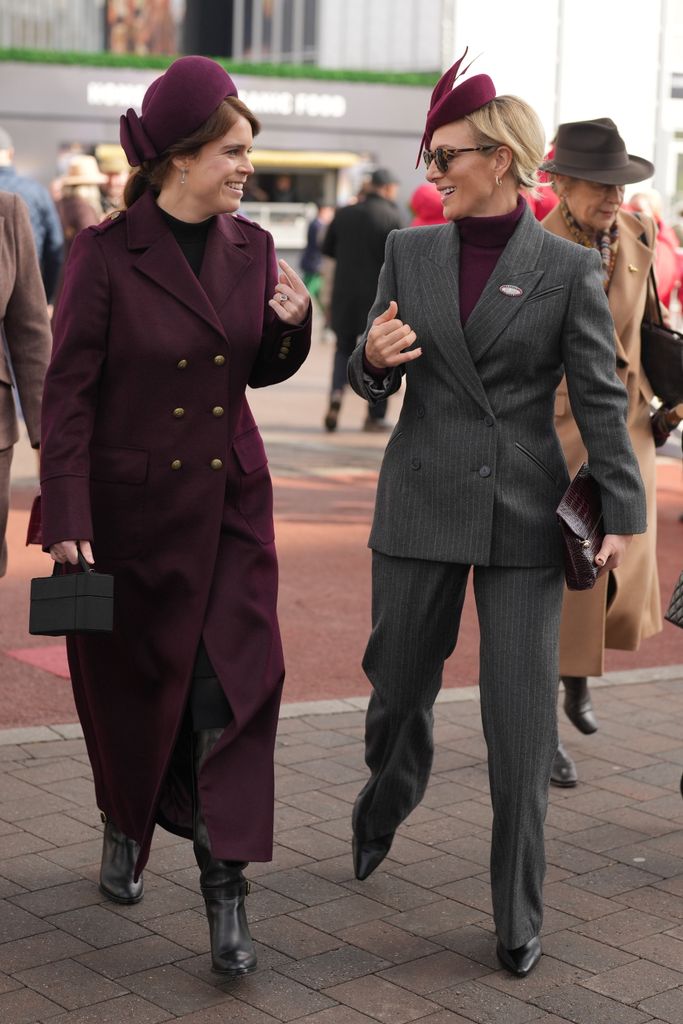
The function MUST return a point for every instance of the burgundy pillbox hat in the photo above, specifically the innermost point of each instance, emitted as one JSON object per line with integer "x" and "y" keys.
{"x": 450, "y": 104}
{"x": 174, "y": 106}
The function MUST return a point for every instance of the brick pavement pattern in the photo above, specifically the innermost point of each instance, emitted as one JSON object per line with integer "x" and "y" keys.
{"x": 412, "y": 943}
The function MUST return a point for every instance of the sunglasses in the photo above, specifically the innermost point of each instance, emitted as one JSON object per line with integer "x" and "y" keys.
{"x": 443, "y": 155}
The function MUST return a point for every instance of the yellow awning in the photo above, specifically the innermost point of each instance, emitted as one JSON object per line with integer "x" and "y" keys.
{"x": 293, "y": 158}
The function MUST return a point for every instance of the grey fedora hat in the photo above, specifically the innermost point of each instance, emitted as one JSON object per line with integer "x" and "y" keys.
{"x": 595, "y": 151}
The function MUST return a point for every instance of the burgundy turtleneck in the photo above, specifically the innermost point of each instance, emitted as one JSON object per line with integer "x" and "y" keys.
{"x": 482, "y": 240}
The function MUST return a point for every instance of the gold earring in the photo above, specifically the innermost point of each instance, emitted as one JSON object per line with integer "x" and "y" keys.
{"x": 183, "y": 172}
{"x": 499, "y": 181}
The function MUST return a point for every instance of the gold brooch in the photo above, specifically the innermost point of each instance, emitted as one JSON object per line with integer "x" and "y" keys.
{"x": 634, "y": 270}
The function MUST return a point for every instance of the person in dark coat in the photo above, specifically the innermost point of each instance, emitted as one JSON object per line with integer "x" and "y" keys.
{"x": 355, "y": 240}
{"x": 152, "y": 462}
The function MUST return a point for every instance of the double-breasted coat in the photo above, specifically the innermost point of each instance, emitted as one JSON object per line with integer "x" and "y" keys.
{"x": 151, "y": 450}
{"x": 26, "y": 328}
{"x": 634, "y": 613}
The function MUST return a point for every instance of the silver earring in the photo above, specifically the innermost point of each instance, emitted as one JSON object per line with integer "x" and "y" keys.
{"x": 498, "y": 181}
{"x": 183, "y": 172}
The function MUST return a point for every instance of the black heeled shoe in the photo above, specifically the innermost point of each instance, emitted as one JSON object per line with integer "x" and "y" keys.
{"x": 222, "y": 885}
{"x": 369, "y": 855}
{"x": 119, "y": 857}
{"x": 563, "y": 772}
{"x": 577, "y": 704}
{"x": 520, "y": 961}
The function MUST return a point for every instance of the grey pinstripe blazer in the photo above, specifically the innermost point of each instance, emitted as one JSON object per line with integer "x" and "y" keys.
{"x": 474, "y": 471}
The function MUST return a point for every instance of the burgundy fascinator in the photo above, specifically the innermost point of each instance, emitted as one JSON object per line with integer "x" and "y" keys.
{"x": 450, "y": 104}
{"x": 174, "y": 106}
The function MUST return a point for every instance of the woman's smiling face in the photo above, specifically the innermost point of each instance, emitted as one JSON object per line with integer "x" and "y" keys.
{"x": 216, "y": 175}
{"x": 468, "y": 187}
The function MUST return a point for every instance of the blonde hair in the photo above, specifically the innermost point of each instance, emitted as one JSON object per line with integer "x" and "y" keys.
{"x": 509, "y": 121}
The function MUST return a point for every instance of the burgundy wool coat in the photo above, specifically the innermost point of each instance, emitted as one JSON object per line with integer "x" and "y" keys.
{"x": 150, "y": 449}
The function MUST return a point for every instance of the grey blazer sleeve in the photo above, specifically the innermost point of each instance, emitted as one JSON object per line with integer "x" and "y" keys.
{"x": 599, "y": 401}
{"x": 368, "y": 387}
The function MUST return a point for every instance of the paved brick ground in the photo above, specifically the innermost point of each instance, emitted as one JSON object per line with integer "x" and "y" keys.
{"x": 414, "y": 942}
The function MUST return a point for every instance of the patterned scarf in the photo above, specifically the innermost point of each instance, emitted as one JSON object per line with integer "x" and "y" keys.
{"x": 607, "y": 243}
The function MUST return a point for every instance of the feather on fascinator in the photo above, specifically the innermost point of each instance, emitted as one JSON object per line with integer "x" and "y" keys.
{"x": 450, "y": 102}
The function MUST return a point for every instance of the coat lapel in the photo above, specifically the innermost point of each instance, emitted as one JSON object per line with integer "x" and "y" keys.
{"x": 164, "y": 263}
{"x": 440, "y": 290}
{"x": 629, "y": 280}
{"x": 517, "y": 268}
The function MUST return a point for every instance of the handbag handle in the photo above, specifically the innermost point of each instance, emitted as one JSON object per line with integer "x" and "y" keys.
{"x": 85, "y": 566}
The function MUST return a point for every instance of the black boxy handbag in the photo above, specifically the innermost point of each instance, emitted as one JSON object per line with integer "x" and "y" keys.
{"x": 661, "y": 353}
{"x": 72, "y": 602}
{"x": 580, "y": 517}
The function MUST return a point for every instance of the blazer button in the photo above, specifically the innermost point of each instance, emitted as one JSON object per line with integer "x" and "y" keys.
{"x": 415, "y": 463}
{"x": 218, "y": 410}
{"x": 216, "y": 464}
{"x": 176, "y": 464}
{"x": 420, "y": 411}
{"x": 219, "y": 360}
{"x": 178, "y": 413}
{"x": 485, "y": 471}
{"x": 488, "y": 420}
{"x": 181, "y": 364}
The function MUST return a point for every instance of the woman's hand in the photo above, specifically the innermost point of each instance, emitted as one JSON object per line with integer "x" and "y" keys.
{"x": 388, "y": 338}
{"x": 67, "y": 551}
{"x": 291, "y": 299}
{"x": 612, "y": 551}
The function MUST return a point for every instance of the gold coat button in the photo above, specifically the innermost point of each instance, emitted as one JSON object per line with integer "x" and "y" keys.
{"x": 178, "y": 413}
{"x": 219, "y": 360}
{"x": 182, "y": 363}
{"x": 176, "y": 464}
{"x": 218, "y": 410}
{"x": 216, "y": 463}
{"x": 282, "y": 355}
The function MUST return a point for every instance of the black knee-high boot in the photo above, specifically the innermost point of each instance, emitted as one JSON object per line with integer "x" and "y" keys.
{"x": 222, "y": 884}
{"x": 577, "y": 704}
{"x": 119, "y": 856}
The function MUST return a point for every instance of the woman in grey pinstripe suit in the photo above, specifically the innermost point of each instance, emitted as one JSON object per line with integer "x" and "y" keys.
{"x": 482, "y": 315}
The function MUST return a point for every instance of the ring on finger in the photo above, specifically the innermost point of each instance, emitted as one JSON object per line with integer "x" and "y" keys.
{"x": 282, "y": 297}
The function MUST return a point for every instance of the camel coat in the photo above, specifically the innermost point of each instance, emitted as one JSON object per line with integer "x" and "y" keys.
{"x": 588, "y": 625}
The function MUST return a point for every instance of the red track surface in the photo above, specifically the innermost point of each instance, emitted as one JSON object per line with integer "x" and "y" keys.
{"x": 322, "y": 527}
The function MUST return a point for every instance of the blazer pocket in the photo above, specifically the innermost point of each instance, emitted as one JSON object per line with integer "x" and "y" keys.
{"x": 118, "y": 465}
{"x": 536, "y": 461}
{"x": 546, "y": 293}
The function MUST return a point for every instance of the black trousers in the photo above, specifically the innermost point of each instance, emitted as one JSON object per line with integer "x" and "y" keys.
{"x": 209, "y": 707}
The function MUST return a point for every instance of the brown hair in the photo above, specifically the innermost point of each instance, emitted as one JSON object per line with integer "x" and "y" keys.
{"x": 151, "y": 173}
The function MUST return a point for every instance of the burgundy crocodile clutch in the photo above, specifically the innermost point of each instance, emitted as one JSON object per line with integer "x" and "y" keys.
{"x": 580, "y": 518}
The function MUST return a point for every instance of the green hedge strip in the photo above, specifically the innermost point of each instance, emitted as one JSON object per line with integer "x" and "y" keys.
{"x": 131, "y": 60}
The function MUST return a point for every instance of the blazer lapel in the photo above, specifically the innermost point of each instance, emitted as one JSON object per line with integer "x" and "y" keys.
{"x": 163, "y": 261}
{"x": 516, "y": 268}
{"x": 440, "y": 290}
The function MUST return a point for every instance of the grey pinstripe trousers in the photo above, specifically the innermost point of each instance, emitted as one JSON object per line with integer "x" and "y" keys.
{"x": 416, "y": 615}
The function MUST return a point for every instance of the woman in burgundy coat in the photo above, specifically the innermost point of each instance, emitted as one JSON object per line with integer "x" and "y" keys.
{"x": 151, "y": 454}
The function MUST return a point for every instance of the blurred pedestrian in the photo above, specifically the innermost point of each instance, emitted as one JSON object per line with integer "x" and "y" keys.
{"x": 47, "y": 231}
{"x": 112, "y": 163}
{"x": 311, "y": 257}
{"x": 80, "y": 204}
{"x": 152, "y": 460}
{"x": 649, "y": 202}
{"x": 355, "y": 240}
{"x": 25, "y": 325}
{"x": 426, "y": 206}
{"x": 590, "y": 169}
{"x": 481, "y": 315}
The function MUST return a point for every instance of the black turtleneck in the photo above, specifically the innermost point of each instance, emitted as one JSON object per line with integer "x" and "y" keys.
{"x": 190, "y": 237}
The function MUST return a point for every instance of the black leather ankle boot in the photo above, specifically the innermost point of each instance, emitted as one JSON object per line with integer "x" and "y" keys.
{"x": 222, "y": 884}
{"x": 577, "y": 704}
{"x": 119, "y": 857}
